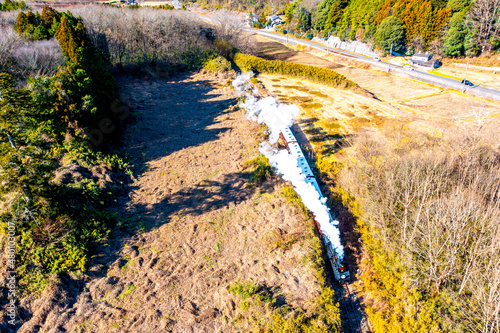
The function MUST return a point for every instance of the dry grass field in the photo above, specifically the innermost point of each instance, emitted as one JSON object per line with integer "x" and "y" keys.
{"x": 453, "y": 106}
{"x": 389, "y": 88}
{"x": 192, "y": 226}
{"x": 329, "y": 105}
{"x": 400, "y": 101}
{"x": 484, "y": 78}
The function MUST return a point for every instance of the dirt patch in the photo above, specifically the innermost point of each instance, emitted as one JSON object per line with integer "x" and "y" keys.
{"x": 190, "y": 226}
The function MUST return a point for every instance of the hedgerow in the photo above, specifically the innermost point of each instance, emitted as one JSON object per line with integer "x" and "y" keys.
{"x": 317, "y": 74}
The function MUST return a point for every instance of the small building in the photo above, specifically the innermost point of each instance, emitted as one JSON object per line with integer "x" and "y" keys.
{"x": 424, "y": 60}
{"x": 423, "y": 57}
{"x": 275, "y": 20}
{"x": 253, "y": 17}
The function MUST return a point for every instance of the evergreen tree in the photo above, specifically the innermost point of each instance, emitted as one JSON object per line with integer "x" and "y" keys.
{"x": 304, "y": 17}
{"x": 455, "y": 37}
{"x": 322, "y": 14}
{"x": 48, "y": 17}
{"x": 391, "y": 32}
{"x": 262, "y": 20}
{"x": 335, "y": 14}
{"x": 22, "y": 23}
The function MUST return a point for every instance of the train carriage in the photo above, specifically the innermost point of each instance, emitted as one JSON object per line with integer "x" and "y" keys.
{"x": 340, "y": 269}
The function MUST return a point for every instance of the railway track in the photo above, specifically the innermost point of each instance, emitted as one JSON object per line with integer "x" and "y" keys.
{"x": 354, "y": 319}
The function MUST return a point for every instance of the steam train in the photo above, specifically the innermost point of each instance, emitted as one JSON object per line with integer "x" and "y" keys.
{"x": 340, "y": 269}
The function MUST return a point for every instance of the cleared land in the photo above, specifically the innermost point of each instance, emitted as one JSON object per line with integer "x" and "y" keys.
{"x": 192, "y": 226}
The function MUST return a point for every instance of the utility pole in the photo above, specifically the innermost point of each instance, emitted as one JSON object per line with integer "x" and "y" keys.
{"x": 328, "y": 43}
{"x": 390, "y": 57}
{"x": 466, "y": 69}
{"x": 287, "y": 32}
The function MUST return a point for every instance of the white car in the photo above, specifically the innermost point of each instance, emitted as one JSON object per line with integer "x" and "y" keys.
{"x": 376, "y": 58}
{"x": 408, "y": 68}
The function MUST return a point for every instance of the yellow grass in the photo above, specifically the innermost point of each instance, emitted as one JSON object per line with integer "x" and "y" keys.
{"x": 478, "y": 77}
{"x": 453, "y": 106}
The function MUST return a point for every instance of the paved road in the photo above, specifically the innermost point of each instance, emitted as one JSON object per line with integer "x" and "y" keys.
{"x": 391, "y": 68}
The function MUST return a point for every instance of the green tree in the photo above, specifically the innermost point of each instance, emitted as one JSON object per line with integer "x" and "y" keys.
{"x": 322, "y": 14}
{"x": 335, "y": 14}
{"x": 22, "y": 23}
{"x": 290, "y": 10}
{"x": 458, "y": 5}
{"x": 262, "y": 19}
{"x": 12, "y": 5}
{"x": 304, "y": 17}
{"x": 455, "y": 37}
{"x": 391, "y": 32}
{"x": 48, "y": 16}
{"x": 454, "y": 42}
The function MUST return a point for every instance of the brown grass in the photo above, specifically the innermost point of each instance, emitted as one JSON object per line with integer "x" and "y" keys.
{"x": 201, "y": 227}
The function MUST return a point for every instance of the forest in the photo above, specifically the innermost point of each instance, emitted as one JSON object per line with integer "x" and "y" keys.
{"x": 450, "y": 28}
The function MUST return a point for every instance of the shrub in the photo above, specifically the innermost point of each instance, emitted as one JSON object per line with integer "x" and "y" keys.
{"x": 12, "y": 5}
{"x": 262, "y": 171}
{"x": 294, "y": 199}
{"x": 217, "y": 64}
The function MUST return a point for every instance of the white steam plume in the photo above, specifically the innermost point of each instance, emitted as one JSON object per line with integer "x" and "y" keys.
{"x": 277, "y": 117}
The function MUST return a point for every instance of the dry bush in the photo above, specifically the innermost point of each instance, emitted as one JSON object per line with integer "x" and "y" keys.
{"x": 144, "y": 36}
{"x": 36, "y": 58}
{"x": 8, "y": 18}
{"x": 436, "y": 203}
{"x": 231, "y": 28}
{"x": 28, "y": 58}
{"x": 8, "y": 42}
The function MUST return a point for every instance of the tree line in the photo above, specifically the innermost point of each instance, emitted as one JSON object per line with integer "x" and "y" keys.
{"x": 59, "y": 120}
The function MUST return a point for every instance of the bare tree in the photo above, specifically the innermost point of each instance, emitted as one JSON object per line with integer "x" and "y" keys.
{"x": 483, "y": 16}
{"x": 232, "y": 28}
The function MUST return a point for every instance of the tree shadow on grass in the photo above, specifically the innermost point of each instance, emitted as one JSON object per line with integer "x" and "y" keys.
{"x": 170, "y": 115}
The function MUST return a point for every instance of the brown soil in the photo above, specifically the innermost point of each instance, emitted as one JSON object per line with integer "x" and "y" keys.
{"x": 190, "y": 226}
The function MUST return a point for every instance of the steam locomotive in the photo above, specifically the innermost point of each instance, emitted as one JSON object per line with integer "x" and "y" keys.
{"x": 340, "y": 269}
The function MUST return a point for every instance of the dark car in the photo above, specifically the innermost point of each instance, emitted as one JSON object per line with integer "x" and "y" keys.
{"x": 467, "y": 83}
